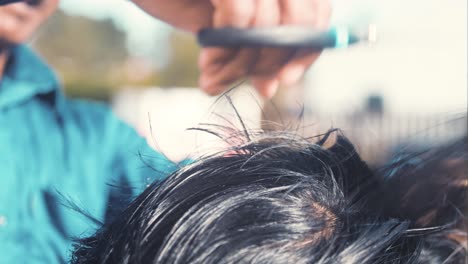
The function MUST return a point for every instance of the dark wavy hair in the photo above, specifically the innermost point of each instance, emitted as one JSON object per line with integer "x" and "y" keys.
{"x": 278, "y": 198}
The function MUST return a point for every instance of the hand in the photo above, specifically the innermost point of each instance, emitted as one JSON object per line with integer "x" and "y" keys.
{"x": 267, "y": 68}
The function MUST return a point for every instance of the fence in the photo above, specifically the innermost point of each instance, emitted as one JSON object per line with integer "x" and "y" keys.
{"x": 378, "y": 136}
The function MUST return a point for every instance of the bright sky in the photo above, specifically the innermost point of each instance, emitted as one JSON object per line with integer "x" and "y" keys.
{"x": 419, "y": 64}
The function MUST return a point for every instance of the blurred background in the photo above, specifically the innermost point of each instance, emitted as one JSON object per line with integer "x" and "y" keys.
{"x": 407, "y": 91}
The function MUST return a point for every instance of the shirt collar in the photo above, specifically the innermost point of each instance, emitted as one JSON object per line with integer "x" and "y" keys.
{"x": 25, "y": 77}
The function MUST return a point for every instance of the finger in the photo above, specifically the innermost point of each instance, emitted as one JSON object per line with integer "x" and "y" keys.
{"x": 215, "y": 83}
{"x": 324, "y": 10}
{"x": 234, "y": 13}
{"x": 212, "y": 61}
{"x": 296, "y": 68}
{"x": 267, "y": 14}
{"x": 301, "y": 12}
{"x": 266, "y": 86}
{"x": 271, "y": 59}
{"x": 290, "y": 12}
{"x": 293, "y": 12}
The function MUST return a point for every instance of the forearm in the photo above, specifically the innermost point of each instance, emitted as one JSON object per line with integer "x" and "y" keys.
{"x": 187, "y": 15}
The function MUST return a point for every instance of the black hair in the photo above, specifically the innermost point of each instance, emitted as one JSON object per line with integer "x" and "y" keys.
{"x": 279, "y": 198}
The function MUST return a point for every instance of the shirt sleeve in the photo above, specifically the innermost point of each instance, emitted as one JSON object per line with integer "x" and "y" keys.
{"x": 134, "y": 160}
{"x": 133, "y": 165}
{"x": 119, "y": 163}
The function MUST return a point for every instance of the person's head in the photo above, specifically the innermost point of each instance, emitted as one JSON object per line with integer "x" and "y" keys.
{"x": 280, "y": 199}
{"x": 19, "y": 21}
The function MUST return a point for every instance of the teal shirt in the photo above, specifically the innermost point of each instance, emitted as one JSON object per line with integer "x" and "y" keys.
{"x": 54, "y": 149}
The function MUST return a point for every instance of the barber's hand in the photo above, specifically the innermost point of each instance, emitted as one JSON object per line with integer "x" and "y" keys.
{"x": 266, "y": 67}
